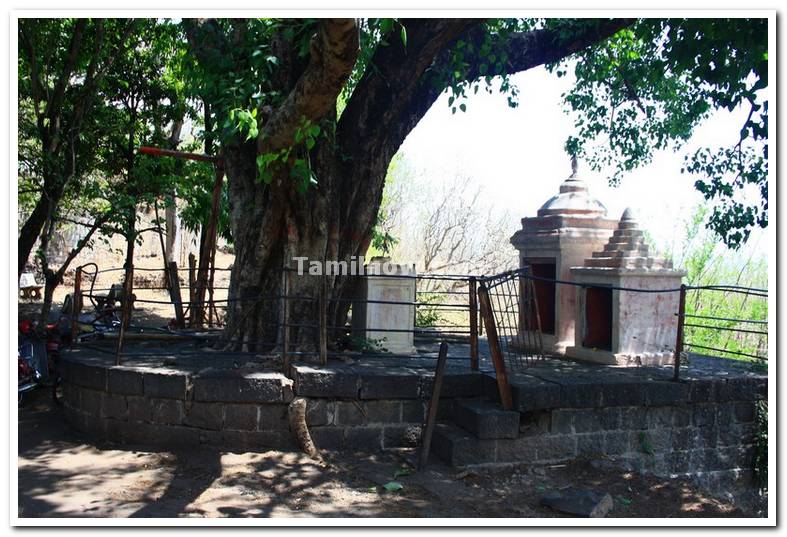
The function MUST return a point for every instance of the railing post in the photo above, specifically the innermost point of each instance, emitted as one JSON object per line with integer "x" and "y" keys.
{"x": 494, "y": 348}
{"x": 285, "y": 321}
{"x": 128, "y": 290}
{"x": 431, "y": 417}
{"x": 679, "y": 337}
{"x": 174, "y": 292}
{"x": 473, "y": 300}
{"x": 76, "y": 304}
{"x": 192, "y": 286}
{"x": 323, "y": 313}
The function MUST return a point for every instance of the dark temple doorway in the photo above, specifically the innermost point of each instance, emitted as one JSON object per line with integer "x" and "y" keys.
{"x": 598, "y": 318}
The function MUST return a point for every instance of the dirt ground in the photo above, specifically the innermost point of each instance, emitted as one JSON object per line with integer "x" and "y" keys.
{"x": 63, "y": 474}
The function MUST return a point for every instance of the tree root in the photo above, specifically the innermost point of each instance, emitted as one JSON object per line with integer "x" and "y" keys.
{"x": 296, "y": 417}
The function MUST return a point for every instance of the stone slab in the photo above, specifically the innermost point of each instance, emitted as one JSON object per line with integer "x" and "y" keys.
{"x": 242, "y": 387}
{"x": 486, "y": 420}
{"x": 459, "y": 448}
{"x": 579, "y": 502}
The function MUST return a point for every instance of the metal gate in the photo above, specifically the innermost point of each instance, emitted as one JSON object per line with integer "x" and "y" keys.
{"x": 510, "y": 312}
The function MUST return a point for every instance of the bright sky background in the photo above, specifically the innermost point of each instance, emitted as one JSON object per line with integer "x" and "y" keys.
{"x": 517, "y": 155}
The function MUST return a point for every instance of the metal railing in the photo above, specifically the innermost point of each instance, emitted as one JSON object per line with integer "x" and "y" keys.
{"x": 704, "y": 327}
{"x": 443, "y": 307}
{"x": 449, "y": 302}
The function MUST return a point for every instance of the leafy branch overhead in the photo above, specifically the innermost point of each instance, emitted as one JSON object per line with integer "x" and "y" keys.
{"x": 306, "y": 115}
{"x": 648, "y": 88}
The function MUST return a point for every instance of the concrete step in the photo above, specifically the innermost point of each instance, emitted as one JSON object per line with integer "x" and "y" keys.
{"x": 485, "y": 419}
{"x": 458, "y": 447}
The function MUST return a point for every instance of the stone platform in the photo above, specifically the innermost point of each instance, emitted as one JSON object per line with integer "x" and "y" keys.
{"x": 563, "y": 410}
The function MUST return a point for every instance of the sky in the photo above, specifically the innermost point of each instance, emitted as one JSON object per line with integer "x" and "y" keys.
{"x": 517, "y": 155}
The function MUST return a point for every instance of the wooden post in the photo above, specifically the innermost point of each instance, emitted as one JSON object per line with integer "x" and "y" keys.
{"x": 473, "y": 284}
{"x": 128, "y": 290}
{"x": 679, "y": 336}
{"x": 76, "y": 304}
{"x": 174, "y": 293}
{"x": 209, "y": 246}
{"x": 211, "y": 277}
{"x": 494, "y": 348}
{"x": 480, "y": 321}
{"x": 431, "y": 416}
{"x": 285, "y": 321}
{"x": 323, "y": 306}
{"x": 192, "y": 284}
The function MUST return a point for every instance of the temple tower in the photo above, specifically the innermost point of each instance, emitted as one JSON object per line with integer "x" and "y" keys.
{"x": 615, "y": 326}
{"x": 568, "y": 228}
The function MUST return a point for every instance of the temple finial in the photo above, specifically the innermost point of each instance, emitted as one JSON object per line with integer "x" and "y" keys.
{"x": 574, "y": 165}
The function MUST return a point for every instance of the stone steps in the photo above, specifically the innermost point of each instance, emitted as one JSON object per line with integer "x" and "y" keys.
{"x": 628, "y": 233}
{"x": 616, "y": 243}
{"x": 486, "y": 420}
{"x": 457, "y": 447}
{"x": 640, "y": 252}
{"x": 623, "y": 262}
{"x": 478, "y": 432}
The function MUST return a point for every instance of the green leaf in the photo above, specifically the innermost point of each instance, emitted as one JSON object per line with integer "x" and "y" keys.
{"x": 624, "y": 501}
{"x": 393, "y": 486}
{"x": 403, "y": 34}
{"x": 463, "y": 107}
{"x": 401, "y": 472}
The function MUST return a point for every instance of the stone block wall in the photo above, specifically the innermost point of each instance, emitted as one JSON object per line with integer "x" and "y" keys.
{"x": 248, "y": 410}
{"x": 700, "y": 427}
{"x": 154, "y": 416}
{"x": 708, "y": 438}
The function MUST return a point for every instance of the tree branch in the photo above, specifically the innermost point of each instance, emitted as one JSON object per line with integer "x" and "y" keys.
{"x": 36, "y": 86}
{"x": 333, "y": 53}
{"x": 53, "y": 106}
{"x": 98, "y": 223}
{"x": 547, "y": 45}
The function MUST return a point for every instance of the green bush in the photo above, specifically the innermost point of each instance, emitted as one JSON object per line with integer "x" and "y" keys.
{"x": 708, "y": 263}
{"x": 428, "y": 313}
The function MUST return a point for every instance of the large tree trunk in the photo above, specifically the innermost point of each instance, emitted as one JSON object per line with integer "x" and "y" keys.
{"x": 287, "y": 224}
{"x": 272, "y": 224}
{"x": 30, "y": 232}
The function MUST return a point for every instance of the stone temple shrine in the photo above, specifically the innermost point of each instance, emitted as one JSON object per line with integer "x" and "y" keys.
{"x": 571, "y": 240}
{"x": 568, "y": 228}
{"x": 615, "y": 326}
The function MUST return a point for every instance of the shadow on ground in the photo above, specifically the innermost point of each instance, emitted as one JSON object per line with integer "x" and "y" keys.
{"x": 63, "y": 474}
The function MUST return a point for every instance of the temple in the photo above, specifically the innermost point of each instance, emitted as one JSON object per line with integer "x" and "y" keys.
{"x": 616, "y": 326}
{"x": 568, "y": 228}
{"x": 582, "y": 263}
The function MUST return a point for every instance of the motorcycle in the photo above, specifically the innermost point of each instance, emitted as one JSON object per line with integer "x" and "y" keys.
{"x": 30, "y": 376}
{"x": 38, "y": 358}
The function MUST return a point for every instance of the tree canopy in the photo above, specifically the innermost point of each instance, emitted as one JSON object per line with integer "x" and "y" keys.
{"x": 305, "y": 116}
